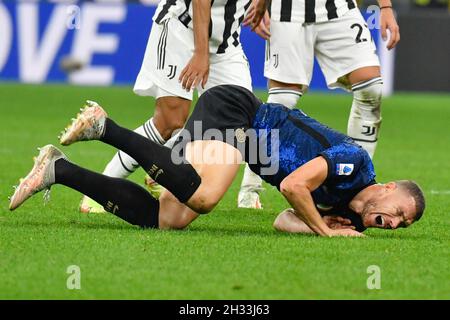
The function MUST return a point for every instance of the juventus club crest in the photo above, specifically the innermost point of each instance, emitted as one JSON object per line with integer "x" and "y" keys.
{"x": 275, "y": 60}
{"x": 172, "y": 72}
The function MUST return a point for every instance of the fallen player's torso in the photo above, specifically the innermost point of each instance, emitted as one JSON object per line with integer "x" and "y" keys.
{"x": 292, "y": 139}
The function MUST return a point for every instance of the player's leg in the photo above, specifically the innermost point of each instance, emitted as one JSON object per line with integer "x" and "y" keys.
{"x": 289, "y": 61}
{"x": 365, "y": 115}
{"x": 123, "y": 198}
{"x": 217, "y": 174}
{"x": 347, "y": 56}
{"x": 165, "y": 55}
{"x": 167, "y": 167}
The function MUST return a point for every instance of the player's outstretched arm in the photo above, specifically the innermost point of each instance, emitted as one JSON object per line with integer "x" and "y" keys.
{"x": 297, "y": 188}
{"x": 197, "y": 70}
{"x": 288, "y": 221}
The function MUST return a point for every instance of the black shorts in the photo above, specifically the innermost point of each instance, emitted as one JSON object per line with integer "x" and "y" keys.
{"x": 222, "y": 113}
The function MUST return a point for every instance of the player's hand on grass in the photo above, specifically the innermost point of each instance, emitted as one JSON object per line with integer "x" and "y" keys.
{"x": 258, "y": 18}
{"x": 196, "y": 72}
{"x": 337, "y": 222}
{"x": 388, "y": 22}
{"x": 345, "y": 233}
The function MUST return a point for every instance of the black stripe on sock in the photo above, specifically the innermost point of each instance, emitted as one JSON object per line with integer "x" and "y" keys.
{"x": 363, "y": 140}
{"x": 365, "y": 84}
{"x": 156, "y": 135}
{"x": 149, "y": 134}
{"x": 123, "y": 164}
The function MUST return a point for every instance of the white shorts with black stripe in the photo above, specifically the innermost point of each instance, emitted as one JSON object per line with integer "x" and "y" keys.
{"x": 341, "y": 46}
{"x": 169, "y": 49}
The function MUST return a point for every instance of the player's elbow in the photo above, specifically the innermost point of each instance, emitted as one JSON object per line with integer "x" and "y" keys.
{"x": 289, "y": 186}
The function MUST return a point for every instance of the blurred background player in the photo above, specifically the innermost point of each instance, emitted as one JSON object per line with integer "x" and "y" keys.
{"x": 192, "y": 44}
{"x": 334, "y": 32}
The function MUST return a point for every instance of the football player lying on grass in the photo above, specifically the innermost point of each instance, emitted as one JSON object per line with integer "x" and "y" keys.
{"x": 327, "y": 178}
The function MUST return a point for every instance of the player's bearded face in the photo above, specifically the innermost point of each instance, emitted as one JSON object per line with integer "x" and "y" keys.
{"x": 389, "y": 212}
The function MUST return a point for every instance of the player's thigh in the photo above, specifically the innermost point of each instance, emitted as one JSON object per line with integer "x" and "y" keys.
{"x": 344, "y": 45}
{"x": 231, "y": 67}
{"x": 364, "y": 74}
{"x": 278, "y": 84}
{"x": 290, "y": 53}
{"x": 217, "y": 164}
{"x": 169, "y": 49}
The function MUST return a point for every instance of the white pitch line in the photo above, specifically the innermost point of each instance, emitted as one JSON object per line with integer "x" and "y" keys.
{"x": 440, "y": 192}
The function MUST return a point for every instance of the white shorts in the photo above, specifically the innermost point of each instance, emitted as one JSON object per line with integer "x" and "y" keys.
{"x": 340, "y": 45}
{"x": 169, "y": 49}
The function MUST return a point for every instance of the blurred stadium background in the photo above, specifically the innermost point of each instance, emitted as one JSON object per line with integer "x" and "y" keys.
{"x": 108, "y": 38}
{"x": 54, "y": 54}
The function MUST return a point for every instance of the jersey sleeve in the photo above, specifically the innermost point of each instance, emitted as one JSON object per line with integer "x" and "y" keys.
{"x": 344, "y": 161}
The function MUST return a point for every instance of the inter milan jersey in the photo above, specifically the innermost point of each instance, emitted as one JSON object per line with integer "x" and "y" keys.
{"x": 291, "y": 139}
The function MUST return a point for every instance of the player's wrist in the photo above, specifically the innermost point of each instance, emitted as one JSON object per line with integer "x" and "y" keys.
{"x": 385, "y": 4}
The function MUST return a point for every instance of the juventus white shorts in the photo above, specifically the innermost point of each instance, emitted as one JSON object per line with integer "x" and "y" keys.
{"x": 169, "y": 49}
{"x": 341, "y": 46}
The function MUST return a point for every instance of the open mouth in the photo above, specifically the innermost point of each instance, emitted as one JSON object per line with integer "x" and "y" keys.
{"x": 379, "y": 220}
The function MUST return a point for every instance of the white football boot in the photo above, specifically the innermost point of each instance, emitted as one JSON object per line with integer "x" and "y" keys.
{"x": 41, "y": 176}
{"x": 88, "y": 125}
{"x": 248, "y": 197}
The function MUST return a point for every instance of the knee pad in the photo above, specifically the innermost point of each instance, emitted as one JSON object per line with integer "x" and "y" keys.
{"x": 285, "y": 96}
{"x": 365, "y": 115}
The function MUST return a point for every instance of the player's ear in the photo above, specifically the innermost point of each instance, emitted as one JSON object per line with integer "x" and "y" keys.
{"x": 390, "y": 186}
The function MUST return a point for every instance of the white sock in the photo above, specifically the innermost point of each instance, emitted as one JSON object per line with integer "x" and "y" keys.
{"x": 365, "y": 115}
{"x": 122, "y": 165}
{"x": 250, "y": 179}
{"x": 284, "y": 96}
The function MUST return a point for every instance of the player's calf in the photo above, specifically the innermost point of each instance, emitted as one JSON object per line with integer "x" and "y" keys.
{"x": 365, "y": 115}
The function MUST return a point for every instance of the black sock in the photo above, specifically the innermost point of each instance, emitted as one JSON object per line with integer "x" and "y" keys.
{"x": 121, "y": 197}
{"x": 180, "y": 179}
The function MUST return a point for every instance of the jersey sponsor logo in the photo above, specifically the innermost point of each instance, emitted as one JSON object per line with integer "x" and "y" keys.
{"x": 344, "y": 169}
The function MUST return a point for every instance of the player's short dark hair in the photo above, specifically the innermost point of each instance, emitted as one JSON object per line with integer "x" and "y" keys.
{"x": 416, "y": 192}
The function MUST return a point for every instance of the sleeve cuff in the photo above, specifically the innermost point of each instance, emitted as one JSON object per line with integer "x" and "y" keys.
{"x": 329, "y": 163}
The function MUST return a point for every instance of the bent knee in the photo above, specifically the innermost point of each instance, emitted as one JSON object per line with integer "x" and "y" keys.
{"x": 203, "y": 204}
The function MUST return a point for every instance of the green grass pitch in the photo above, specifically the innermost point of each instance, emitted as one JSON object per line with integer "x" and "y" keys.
{"x": 230, "y": 253}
